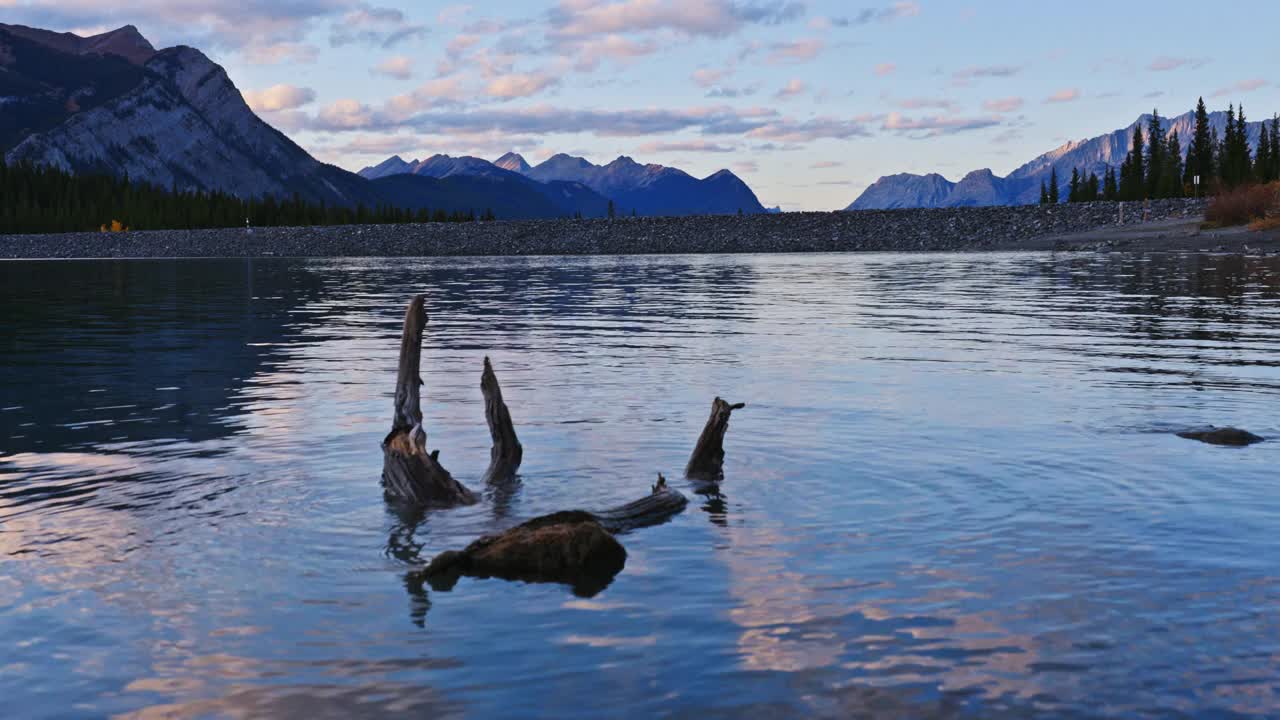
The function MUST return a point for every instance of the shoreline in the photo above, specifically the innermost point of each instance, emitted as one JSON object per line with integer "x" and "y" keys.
{"x": 1171, "y": 226}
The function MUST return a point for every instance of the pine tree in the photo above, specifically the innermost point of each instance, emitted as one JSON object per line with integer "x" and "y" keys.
{"x": 1053, "y": 187}
{"x": 1155, "y": 160}
{"x": 611, "y": 210}
{"x": 1171, "y": 183}
{"x": 1137, "y": 180}
{"x": 1227, "y": 151}
{"x": 1073, "y": 190}
{"x": 1275, "y": 147}
{"x": 1262, "y": 164}
{"x": 1091, "y": 188}
{"x": 1044, "y": 193}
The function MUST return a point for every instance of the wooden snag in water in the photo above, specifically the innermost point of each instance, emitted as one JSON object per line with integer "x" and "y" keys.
{"x": 707, "y": 462}
{"x": 409, "y": 473}
{"x": 506, "y": 453}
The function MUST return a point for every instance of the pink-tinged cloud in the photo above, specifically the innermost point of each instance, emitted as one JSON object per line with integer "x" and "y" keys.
{"x": 797, "y": 51}
{"x": 279, "y": 97}
{"x": 1065, "y": 95}
{"x": 275, "y": 53}
{"x": 793, "y": 88}
{"x": 398, "y": 67}
{"x": 712, "y": 18}
{"x": 345, "y": 114}
{"x": 885, "y": 69}
{"x": 518, "y": 85}
{"x": 591, "y": 53}
{"x": 800, "y": 131}
{"x": 1003, "y": 105}
{"x": 1166, "y": 63}
{"x": 1243, "y": 86}
{"x": 826, "y": 165}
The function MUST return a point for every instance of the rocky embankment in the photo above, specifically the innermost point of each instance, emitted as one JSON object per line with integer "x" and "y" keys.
{"x": 949, "y": 229}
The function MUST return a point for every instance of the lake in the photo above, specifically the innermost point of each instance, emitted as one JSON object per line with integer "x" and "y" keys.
{"x": 955, "y": 490}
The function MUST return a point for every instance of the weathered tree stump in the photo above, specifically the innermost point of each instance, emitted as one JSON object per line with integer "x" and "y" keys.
{"x": 409, "y": 473}
{"x": 506, "y": 453}
{"x": 707, "y": 462}
{"x": 1221, "y": 436}
{"x": 657, "y": 507}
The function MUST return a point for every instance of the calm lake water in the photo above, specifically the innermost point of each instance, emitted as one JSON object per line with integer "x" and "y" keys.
{"x": 954, "y": 491}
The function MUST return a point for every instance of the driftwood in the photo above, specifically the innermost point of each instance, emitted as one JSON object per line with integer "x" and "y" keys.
{"x": 505, "y": 456}
{"x": 576, "y": 547}
{"x": 1221, "y": 436}
{"x": 409, "y": 472}
{"x": 707, "y": 462}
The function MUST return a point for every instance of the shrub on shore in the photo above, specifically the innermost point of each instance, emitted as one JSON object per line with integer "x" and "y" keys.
{"x": 1257, "y": 204}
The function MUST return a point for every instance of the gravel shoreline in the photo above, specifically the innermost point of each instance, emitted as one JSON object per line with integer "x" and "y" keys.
{"x": 915, "y": 230}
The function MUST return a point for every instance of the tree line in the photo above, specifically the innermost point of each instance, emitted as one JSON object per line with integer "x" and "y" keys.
{"x": 41, "y": 199}
{"x": 1154, "y": 166}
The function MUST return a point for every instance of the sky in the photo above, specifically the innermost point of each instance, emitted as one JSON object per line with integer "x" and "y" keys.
{"x": 809, "y": 101}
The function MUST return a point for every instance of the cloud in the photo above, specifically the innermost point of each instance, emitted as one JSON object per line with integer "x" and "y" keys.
{"x": 1243, "y": 86}
{"x": 261, "y": 25}
{"x": 1003, "y": 105}
{"x": 345, "y": 114}
{"x": 374, "y": 27}
{"x": 985, "y": 71}
{"x": 1166, "y": 63}
{"x": 706, "y": 77}
{"x": 279, "y": 97}
{"x": 734, "y": 92}
{"x": 796, "y": 51}
{"x": 826, "y": 165}
{"x": 885, "y": 14}
{"x": 793, "y": 88}
{"x": 591, "y": 53}
{"x": 925, "y": 103}
{"x": 1065, "y": 95}
{"x": 711, "y": 18}
{"x": 799, "y": 131}
{"x": 936, "y": 125}
{"x": 885, "y": 69}
{"x": 697, "y": 146}
{"x": 746, "y": 166}
{"x": 518, "y": 85}
{"x": 282, "y": 52}
{"x": 398, "y": 67}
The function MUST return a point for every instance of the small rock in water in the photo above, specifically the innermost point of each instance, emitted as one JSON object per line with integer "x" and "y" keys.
{"x": 1221, "y": 436}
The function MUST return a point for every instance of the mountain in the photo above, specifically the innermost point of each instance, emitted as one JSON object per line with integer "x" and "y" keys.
{"x": 110, "y": 103}
{"x": 1022, "y": 186}
{"x": 509, "y": 195}
{"x": 653, "y": 189}
{"x": 644, "y": 189}
{"x": 513, "y": 162}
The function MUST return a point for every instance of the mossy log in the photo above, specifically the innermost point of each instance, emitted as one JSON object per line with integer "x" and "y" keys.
{"x": 706, "y": 464}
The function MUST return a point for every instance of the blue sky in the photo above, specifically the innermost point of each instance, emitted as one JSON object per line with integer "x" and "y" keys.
{"x": 808, "y": 100}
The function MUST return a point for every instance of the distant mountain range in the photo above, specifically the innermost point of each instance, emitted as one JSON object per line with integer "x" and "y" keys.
{"x": 113, "y": 104}
{"x": 1022, "y": 186}
{"x": 644, "y": 189}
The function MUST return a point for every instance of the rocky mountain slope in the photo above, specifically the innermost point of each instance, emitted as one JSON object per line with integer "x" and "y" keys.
{"x": 172, "y": 118}
{"x": 1022, "y": 186}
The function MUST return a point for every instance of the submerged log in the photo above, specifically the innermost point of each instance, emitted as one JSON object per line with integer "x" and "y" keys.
{"x": 1221, "y": 436}
{"x": 409, "y": 473}
{"x": 506, "y": 454}
{"x": 569, "y": 547}
{"x": 707, "y": 462}
{"x": 573, "y": 547}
